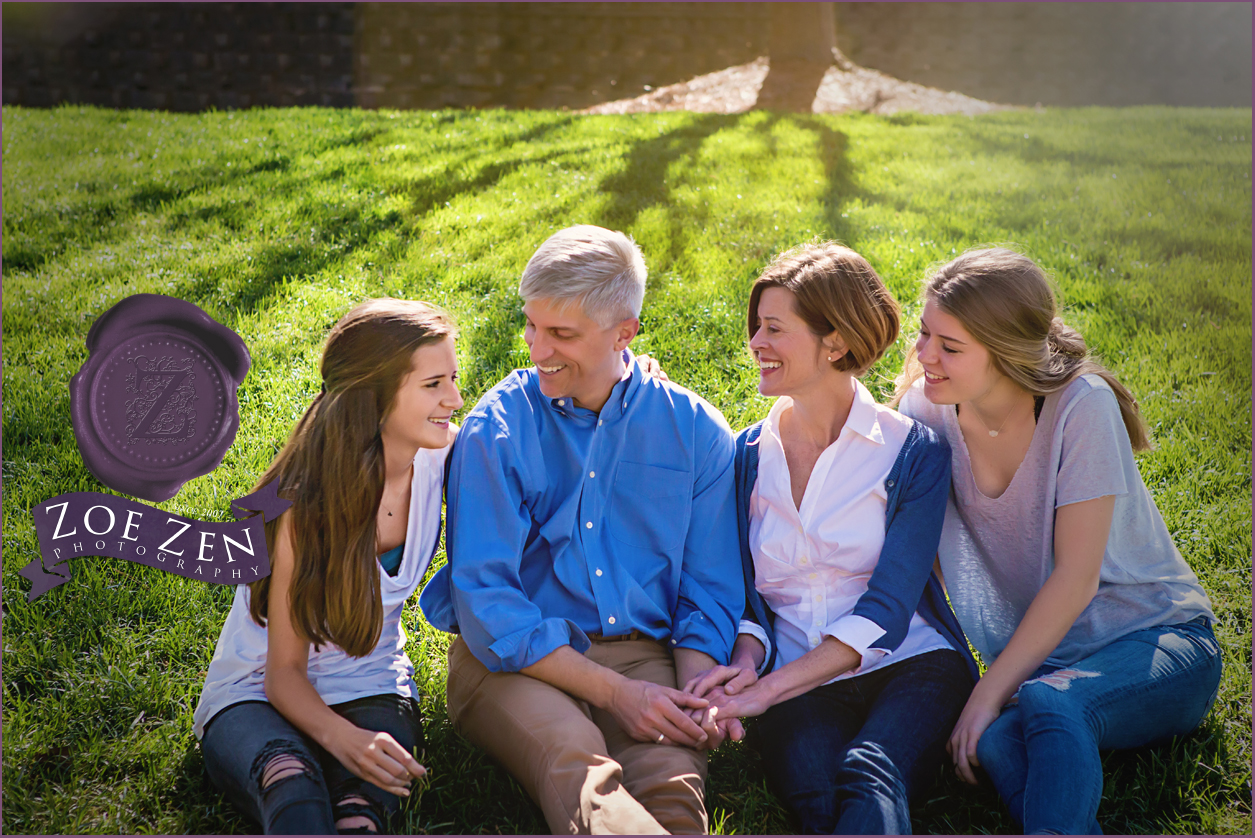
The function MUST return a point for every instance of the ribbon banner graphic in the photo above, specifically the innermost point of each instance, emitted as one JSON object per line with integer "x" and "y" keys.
{"x": 94, "y": 524}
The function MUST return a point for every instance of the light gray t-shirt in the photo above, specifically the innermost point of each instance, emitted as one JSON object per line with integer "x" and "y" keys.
{"x": 996, "y": 553}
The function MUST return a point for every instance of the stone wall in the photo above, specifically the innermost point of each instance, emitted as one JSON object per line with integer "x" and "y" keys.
{"x": 189, "y": 57}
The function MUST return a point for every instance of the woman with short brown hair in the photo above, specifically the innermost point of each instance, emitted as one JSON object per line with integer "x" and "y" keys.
{"x": 863, "y": 667}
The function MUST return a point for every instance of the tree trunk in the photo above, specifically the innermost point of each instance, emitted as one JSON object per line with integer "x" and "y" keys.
{"x": 800, "y": 46}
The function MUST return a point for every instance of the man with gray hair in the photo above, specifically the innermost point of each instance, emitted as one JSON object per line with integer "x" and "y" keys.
{"x": 593, "y": 558}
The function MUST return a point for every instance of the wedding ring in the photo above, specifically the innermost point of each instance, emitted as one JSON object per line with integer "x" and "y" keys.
{"x": 661, "y": 737}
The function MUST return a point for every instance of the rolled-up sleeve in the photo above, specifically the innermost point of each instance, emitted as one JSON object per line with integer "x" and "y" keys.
{"x": 712, "y": 591}
{"x": 487, "y": 527}
{"x": 859, "y": 633}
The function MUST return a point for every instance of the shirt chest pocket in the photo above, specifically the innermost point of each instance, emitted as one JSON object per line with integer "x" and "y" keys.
{"x": 649, "y": 506}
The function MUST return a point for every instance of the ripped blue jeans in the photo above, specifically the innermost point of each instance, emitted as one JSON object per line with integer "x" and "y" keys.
{"x": 287, "y": 783}
{"x": 1042, "y": 752}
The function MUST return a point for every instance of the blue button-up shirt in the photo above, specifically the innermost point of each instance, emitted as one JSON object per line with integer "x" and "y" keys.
{"x": 563, "y": 522}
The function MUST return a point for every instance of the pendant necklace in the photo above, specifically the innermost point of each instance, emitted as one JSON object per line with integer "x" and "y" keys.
{"x": 982, "y": 421}
{"x": 385, "y": 506}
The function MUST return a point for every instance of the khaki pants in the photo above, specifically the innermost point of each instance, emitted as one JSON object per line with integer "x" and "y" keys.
{"x": 587, "y": 774}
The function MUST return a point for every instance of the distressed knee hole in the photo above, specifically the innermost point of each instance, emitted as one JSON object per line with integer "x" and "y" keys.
{"x": 282, "y": 759}
{"x": 281, "y": 767}
{"x": 357, "y": 815}
{"x": 1062, "y": 679}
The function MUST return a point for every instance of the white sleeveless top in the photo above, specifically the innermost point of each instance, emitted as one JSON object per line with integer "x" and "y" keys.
{"x": 238, "y": 670}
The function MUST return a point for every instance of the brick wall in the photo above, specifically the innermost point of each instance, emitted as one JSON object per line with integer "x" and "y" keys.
{"x": 544, "y": 54}
{"x": 188, "y": 57}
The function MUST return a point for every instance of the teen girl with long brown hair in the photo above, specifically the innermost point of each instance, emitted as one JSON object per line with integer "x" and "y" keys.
{"x": 1058, "y": 564}
{"x": 309, "y": 716}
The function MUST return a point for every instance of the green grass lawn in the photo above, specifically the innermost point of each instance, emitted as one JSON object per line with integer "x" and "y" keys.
{"x": 277, "y": 221}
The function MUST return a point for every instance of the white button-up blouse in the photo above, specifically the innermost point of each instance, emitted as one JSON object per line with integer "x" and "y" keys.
{"x": 812, "y": 563}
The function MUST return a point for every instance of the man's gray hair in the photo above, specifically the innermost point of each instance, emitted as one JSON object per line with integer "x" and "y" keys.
{"x": 601, "y": 270}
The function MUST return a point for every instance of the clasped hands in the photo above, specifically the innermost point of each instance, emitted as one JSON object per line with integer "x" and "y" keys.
{"x": 703, "y": 715}
{"x": 731, "y": 692}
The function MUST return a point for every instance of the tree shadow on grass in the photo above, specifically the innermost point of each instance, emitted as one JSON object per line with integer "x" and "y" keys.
{"x": 643, "y": 182}
{"x": 104, "y": 222}
{"x": 430, "y": 192}
{"x": 841, "y": 184}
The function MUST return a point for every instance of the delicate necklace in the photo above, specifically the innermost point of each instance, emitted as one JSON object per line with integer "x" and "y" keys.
{"x": 976, "y": 413}
{"x": 384, "y": 505}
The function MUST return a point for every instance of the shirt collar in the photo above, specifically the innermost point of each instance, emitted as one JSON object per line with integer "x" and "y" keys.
{"x": 864, "y": 418}
{"x": 620, "y": 395}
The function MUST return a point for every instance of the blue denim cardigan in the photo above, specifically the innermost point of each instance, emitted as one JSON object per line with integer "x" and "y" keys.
{"x": 902, "y": 583}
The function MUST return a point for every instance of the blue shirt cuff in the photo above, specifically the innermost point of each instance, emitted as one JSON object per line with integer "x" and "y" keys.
{"x": 695, "y": 632}
{"x": 436, "y": 602}
{"x": 525, "y": 647}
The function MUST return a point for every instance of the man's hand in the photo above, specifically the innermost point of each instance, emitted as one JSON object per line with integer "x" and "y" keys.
{"x": 652, "y": 713}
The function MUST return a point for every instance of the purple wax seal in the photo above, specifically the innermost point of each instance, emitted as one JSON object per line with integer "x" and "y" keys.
{"x": 155, "y": 404}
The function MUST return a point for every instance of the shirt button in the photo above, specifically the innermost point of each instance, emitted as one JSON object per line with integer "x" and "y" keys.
{"x": 588, "y": 525}
{"x": 804, "y": 560}
{"x": 598, "y": 421}
{"x": 818, "y": 598}
{"x": 598, "y": 571}
{"x": 674, "y": 641}
{"x": 592, "y": 474}
{"x": 814, "y": 576}
{"x": 561, "y": 403}
{"x": 610, "y": 621}
{"x": 889, "y": 483}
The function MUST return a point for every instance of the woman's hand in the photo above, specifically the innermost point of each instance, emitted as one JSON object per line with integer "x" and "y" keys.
{"x": 651, "y": 367}
{"x": 978, "y": 714}
{"x": 719, "y": 727}
{"x": 753, "y": 700}
{"x": 377, "y": 758}
{"x": 732, "y": 678}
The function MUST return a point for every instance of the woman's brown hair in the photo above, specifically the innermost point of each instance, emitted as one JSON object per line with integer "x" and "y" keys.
{"x": 332, "y": 469}
{"x": 834, "y": 288}
{"x": 1004, "y": 300}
